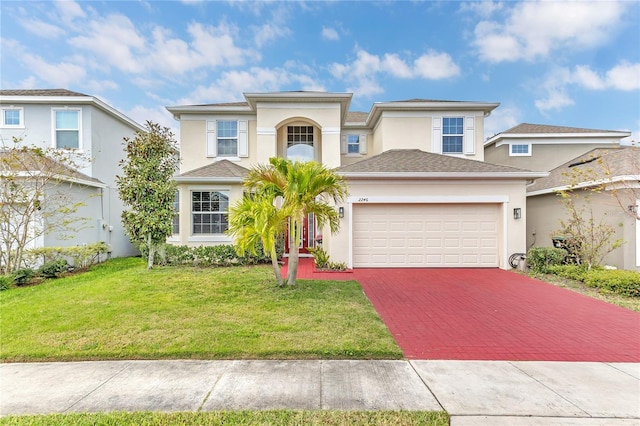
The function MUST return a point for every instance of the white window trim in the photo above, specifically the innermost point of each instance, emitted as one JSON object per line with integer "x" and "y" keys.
{"x": 516, "y": 154}
{"x": 54, "y": 141}
{"x": 242, "y": 139}
{"x": 443, "y": 135}
{"x": 12, "y": 126}
{"x": 362, "y": 144}
{"x": 207, "y": 237}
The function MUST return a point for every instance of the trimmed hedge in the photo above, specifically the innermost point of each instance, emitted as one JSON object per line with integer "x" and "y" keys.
{"x": 618, "y": 281}
{"x": 208, "y": 256}
{"x": 542, "y": 259}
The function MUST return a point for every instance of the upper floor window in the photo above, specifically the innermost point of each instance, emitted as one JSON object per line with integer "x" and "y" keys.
{"x": 452, "y": 135}
{"x": 12, "y": 117}
{"x": 300, "y": 143}
{"x": 209, "y": 212}
{"x": 227, "y": 138}
{"x": 66, "y": 128}
{"x": 519, "y": 149}
{"x": 353, "y": 144}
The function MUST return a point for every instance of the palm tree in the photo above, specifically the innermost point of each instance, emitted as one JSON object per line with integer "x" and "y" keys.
{"x": 302, "y": 188}
{"x": 255, "y": 219}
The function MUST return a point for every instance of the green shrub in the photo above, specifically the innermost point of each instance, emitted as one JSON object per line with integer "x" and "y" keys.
{"x": 53, "y": 269}
{"x": 320, "y": 256}
{"x": 626, "y": 283}
{"x": 572, "y": 272}
{"x": 5, "y": 282}
{"x": 23, "y": 276}
{"x": 209, "y": 256}
{"x": 337, "y": 266}
{"x": 80, "y": 257}
{"x": 541, "y": 259}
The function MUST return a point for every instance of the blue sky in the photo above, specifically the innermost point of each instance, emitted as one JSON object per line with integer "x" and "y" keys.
{"x": 559, "y": 63}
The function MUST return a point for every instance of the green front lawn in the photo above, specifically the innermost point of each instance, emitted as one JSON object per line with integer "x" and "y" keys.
{"x": 279, "y": 417}
{"x": 119, "y": 310}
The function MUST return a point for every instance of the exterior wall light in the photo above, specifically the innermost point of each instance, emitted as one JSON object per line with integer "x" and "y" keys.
{"x": 517, "y": 213}
{"x": 340, "y": 212}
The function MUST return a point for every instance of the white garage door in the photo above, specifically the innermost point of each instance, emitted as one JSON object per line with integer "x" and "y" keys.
{"x": 425, "y": 235}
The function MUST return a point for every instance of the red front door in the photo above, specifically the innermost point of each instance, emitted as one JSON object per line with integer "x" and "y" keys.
{"x": 308, "y": 235}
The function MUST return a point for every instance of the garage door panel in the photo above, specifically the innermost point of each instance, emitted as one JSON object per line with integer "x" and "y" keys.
{"x": 425, "y": 235}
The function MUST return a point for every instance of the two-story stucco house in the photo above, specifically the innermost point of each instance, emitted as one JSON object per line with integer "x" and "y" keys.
{"x": 596, "y": 155}
{"x": 420, "y": 194}
{"x": 77, "y": 123}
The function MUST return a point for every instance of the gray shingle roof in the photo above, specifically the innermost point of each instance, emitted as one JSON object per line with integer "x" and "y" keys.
{"x": 357, "y": 117}
{"x": 592, "y": 165}
{"x": 28, "y": 161}
{"x": 219, "y": 169}
{"x": 40, "y": 92}
{"x": 417, "y": 161}
{"x": 526, "y": 128}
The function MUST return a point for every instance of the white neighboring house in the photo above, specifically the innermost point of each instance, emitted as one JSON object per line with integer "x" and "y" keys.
{"x": 75, "y": 122}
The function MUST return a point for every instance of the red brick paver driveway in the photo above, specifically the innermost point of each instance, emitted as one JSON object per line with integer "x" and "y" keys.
{"x": 491, "y": 314}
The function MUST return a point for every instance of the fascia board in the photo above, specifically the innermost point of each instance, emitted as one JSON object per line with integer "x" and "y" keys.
{"x": 587, "y": 184}
{"x": 556, "y": 138}
{"x": 445, "y": 175}
{"x": 61, "y": 178}
{"x": 187, "y": 179}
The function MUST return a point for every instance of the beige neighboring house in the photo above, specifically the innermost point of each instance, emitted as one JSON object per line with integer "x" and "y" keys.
{"x": 420, "y": 192}
{"x": 617, "y": 205}
{"x": 543, "y": 147}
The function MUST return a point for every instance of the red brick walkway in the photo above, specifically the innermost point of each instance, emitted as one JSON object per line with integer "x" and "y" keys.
{"x": 491, "y": 314}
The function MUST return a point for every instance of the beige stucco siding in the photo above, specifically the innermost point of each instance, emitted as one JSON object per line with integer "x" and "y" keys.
{"x": 405, "y": 133}
{"x": 546, "y": 211}
{"x": 508, "y": 194}
{"x": 543, "y": 158}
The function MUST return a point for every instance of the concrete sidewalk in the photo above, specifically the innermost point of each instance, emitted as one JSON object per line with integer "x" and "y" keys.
{"x": 472, "y": 392}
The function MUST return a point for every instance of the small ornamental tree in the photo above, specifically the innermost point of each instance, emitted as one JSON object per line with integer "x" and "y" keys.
{"x": 36, "y": 198}
{"x": 147, "y": 187}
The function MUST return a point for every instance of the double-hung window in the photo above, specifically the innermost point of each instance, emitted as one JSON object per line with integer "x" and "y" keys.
{"x": 452, "y": 135}
{"x": 353, "y": 144}
{"x": 227, "y": 138}
{"x": 176, "y": 216}
{"x": 66, "y": 128}
{"x": 12, "y": 117}
{"x": 209, "y": 212}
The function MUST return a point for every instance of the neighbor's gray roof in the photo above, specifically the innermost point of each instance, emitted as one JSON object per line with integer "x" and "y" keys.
{"x": 28, "y": 161}
{"x": 411, "y": 161}
{"x": 595, "y": 164}
{"x": 542, "y": 128}
{"x": 223, "y": 169}
{"x": 40, "y": 92}
{"x": 357, "y": 117}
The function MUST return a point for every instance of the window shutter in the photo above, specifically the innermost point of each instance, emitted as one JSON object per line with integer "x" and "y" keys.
{"x": 243, "y": 138}
{"x": 363, "y": 144}
{"x": 343, "y": 144}
{"x": 211, "y": 139}
{"x": 436, "y": 141}
{"x": 469, "y": 135}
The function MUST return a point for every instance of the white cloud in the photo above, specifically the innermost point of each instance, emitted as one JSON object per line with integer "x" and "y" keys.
{"x": 41, "y": 28}
{"x": 501, "y": 119}
{"x": 62, "y": 74}
{"x": 625, "y": 76}
{"x": 556, "y": 85}
{"x": 436, "y": 66}
{"x": 329, "y": 33}
{"x": 364, "y": 71}
{"x": 483, "y": 9}
{"x": 160, "y": 115}
{"x": 68, "y": 10}
{"x": 269, "y": 32}
{"x": 535, "y": 29}
{"x": 231, "y": 84}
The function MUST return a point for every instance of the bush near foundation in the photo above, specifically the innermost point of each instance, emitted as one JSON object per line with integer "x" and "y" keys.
{"x": 618, "y": 281}
{"x": 541, "y": 259}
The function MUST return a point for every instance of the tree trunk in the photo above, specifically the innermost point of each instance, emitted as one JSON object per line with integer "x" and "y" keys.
{"x": 294, "y": 251}
{"x": 152, "y": 252}
{"x": 276, "y": 266}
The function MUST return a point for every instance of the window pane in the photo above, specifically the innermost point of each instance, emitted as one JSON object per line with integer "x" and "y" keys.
{"x": 520, "y": 149}
{"x": 452, "y": 144}
{"x": 67, "y": 139}
{"x": 67, "y": 120}
{"x": 12, "y": 117}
